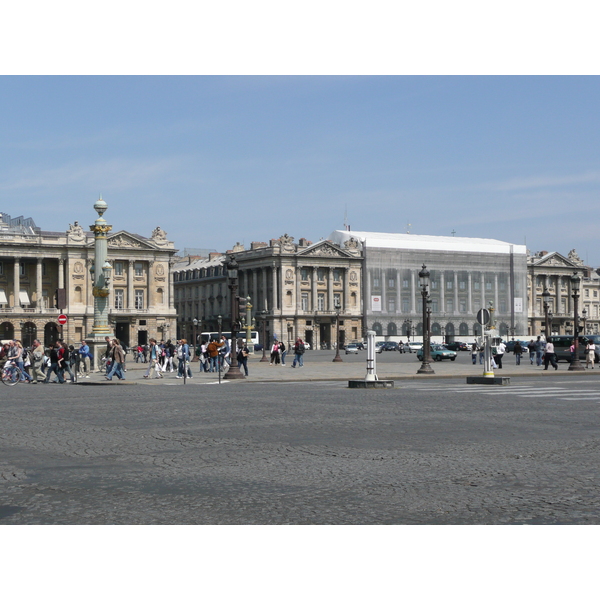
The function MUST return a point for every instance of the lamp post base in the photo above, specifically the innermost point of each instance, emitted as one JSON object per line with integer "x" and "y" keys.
{"x": 234, "y": 373}
{"x": 576, "y": 366}
{"x": 426, "y": 369}
{"x": 337, "y": 358}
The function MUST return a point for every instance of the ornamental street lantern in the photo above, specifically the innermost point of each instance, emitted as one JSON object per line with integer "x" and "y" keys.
{"x": 575, "y": 283}
{"x": 100, "y": 273}
{"x": 424, "y": 281}
{"x": 232, "y": 275}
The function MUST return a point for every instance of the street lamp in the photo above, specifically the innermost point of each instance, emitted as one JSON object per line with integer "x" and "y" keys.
{"x": 575, "y": 283}
{"x": 408, "y": 327}
{"x": 263, "y": 317}
{"x": 232, "y": 275}
{"x": 584, "y": 315}
{"x": 337, "y": 307}
{"x": 195, "y": 322}
{"x": 424, "y": 281}
{"x": 545, "y": 296}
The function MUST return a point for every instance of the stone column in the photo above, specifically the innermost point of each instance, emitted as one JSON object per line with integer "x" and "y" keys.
{"x": 38, "y": 286}
{"x": 382, "y": 276}
{"x": 16, "y": 282}
{"x": 314, "y": 290}
{"x": 483, "y": 290}
{"x": 398, "y": 292}
{"x": 442, "y": 293}
{"x": 346, "y": 298}
{"x": 171, "y": 287}
{"x": 274, "y": 302}
{"x": 330, "y": 288}
{"x": 413, "y": 293}
{"x": 470, "y": 293}
{"x": 61, "y": 273}
{"x": 130, "y": 294}
{"x": 456, "y": 311}
{"x": 298, "y": 272}
{"x": 265, "y": 290}
{"x": 496, "y": 292}
{"x": 255, "y": 299}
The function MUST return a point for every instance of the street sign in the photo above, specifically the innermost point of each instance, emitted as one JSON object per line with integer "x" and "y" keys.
{"x": 483, "y": 316}
{"x": 62, "y": 319}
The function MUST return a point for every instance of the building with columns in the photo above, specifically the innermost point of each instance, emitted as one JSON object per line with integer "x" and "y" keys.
{"x": 466, "y": 275}
{"x": 295, "y": 287}
{"x": 39, "y": 268}
{"x": 552, "y": 272}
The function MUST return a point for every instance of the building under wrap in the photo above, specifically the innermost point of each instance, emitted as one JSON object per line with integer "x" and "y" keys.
{"x": 466, "y": 275}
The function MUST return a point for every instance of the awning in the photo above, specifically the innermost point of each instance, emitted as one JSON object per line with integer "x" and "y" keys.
{"x": 3, "y": 299}
{"x": 24, "y": 297}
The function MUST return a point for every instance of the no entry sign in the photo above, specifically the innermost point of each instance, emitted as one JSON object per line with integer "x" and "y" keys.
{"x": 62, "y": 319}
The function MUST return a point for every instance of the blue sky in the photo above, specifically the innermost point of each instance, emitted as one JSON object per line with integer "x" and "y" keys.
{"x": 218, "y": 159}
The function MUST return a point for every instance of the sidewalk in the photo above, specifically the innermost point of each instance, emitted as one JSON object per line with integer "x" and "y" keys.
{"x": 320, "y": 368}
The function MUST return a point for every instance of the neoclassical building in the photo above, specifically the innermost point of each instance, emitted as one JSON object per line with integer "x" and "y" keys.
{"x": 466, "y": 274}
{"x": 551, "y": 272}
{"x": 295, "y": 287}
{"x": 41, "y": 270}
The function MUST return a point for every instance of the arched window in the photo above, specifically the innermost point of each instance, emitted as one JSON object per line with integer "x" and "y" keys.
{"x": 463, "y": 329}
{"x": 477, "y": 329}
{"x": 392, "y": 329}
{"x": 436, "y": 329}
{"x": 450, "y": 329}
{"x": 377, "y": 328}
{"x": 419, "y": 329}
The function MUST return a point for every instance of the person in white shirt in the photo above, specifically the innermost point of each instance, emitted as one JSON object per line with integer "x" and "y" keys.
{"x": 550, "y": 356}
{"x": 590, "y": 351}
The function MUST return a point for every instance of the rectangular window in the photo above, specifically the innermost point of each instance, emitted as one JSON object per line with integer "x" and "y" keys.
{"x": 119, "y": 296}
{"x": 449, "y": 284}
{"x": 321, "y": 274}
{"x": 336, "y": 275}
{"x": 405, "y": 284}
{"x": 595, "y": 293}
{"x": 321, "y": 302}
{"x": 139, "y": 269}
{"x": 449, "y": 305}
{"x": 391, "y": 282}
{"x": 391, "y": 305}
{"x": 462, "y": 285}
{"x": 434, "y": 305}
{"x": 488, "y": 285}
{"x": 376, "y": 281}
{"x": 476, "y": 285}
{"x": 139, "y": 299}
{"x": 304, "y": 274}
{"x": 463, "y": 305}
{"x": 405, "y": 305}
{"x": 434, "y": 284}
{"x": 337, "y": 301}
{"x": 587, "y": 293}
{"x": 118, "y": 268}
{"x": 304, "y": 301}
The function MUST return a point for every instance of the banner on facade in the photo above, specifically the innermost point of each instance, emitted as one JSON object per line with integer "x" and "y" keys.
{"x": 375, "y": 303}
{"x": 518, "y": 305}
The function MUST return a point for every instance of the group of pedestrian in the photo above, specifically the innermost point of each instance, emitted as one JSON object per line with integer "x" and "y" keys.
{"x": 278, "y": 353}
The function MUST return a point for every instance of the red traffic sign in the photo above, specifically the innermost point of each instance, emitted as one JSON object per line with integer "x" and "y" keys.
{"x": 62, "y": 319}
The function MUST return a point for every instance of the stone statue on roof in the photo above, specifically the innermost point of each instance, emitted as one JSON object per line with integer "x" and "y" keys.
{"x": 75, "y": 232}
{"x": 159, "y": 236}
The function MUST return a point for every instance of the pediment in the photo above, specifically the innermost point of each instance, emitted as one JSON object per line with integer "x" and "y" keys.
{"x": 122, "y": 239}
{"x": 325, "y": 249}
{"x": 555, "y": 259}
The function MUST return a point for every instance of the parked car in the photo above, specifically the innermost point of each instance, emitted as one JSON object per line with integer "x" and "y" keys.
{"x": 413, "y": 346}
{"x": 390, "y": 346}
{"x": 458, "y": 346}
{"x": 352, "y": 349}
{"x": 438, "y": 353}
{"x": 306, "y": 346}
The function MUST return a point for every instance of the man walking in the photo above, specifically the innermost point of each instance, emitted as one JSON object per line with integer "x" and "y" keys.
{"x": 539, "y": 349}
{"x": 118, "y": 359}
{"x": 298, "y": 353}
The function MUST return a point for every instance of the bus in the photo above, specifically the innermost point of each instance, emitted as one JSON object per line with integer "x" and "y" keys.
{"x": 206, "y": 336}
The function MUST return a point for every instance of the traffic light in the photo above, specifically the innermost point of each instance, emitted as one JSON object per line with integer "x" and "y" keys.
{"x": 242, "y": 303}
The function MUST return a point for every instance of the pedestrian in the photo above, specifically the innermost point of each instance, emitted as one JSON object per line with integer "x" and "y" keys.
{"x": 22, "y": 361}
{"x": 117, "y": 361}
{"x": 213, "y": 354}
{"x": 474, "y": 352}
{"x": 54, "y": 365}
{"x": 153, "y": 360}
{"x": 275, "y": 353}
{"x": 518, "y": 350}
{"x": 298, "y": 353}
{"x": 242, "y": 356}
{"x": 224, "y": 352}
{"x": 590, "y": 351}
{"x": 549, "y": 356}
{"x": 84, "y": 360}
{"x": 283, "y": 352}
{"x": 531, "y": 349}
{"x": 204, "y": 359}
{"x": 67, "y": 362}
{"x": 539, "y": 350}
{"x": 183, "y": 356}
{"x": 107, "y": 356}
{"x": 37, "y": 359}
{"x": 500, "y": 350}
{"x": 481, "y": 350}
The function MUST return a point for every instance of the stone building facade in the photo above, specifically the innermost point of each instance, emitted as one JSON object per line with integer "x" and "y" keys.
{"x": 551, "y": 271}
{"x": 466, "y": 274}
{"x": 294, "y": 287}
{"x": 35, "y": 264}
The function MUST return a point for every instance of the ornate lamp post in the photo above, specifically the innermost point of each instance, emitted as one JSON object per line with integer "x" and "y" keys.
{"x": 575, "y": 282}
{"x": 263, "y": 318}
{"x": 545, "y": 296}
{"x": 195, "y": 343}
{"x": 232, "y": 274}
{"x": 337, "y": 357}
{"x": 424, "y": 281}
{"x": 584, "y": 315}
{"x": 100, "y": 273}
{"x": 249, "y": 326}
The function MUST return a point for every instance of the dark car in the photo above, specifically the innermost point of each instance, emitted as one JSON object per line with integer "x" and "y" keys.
{"x": 510, "y": 345}
{"x": 390, "y": 346}
{"x": 562, "y": 346}
{"x": 458, "y": 346}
